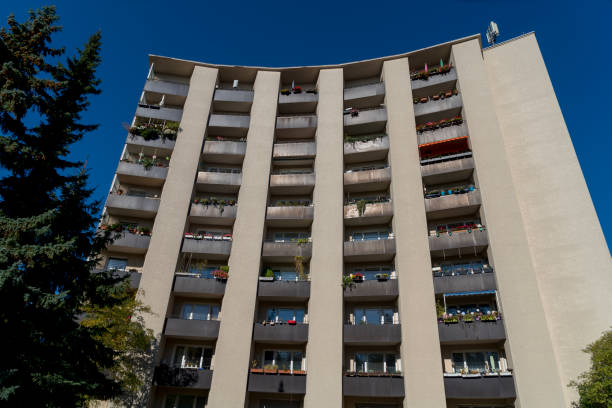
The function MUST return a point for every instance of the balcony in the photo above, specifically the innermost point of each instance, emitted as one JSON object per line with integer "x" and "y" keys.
{"x": 280, "y": 334}
{"x": 479, "y": 387}
{"x": 209, "y": 249}
{"x": 372, "y": 334}
{"x": 160, "y": 143}
{"x": 216, "y": 182}
{"x": 191, "y": 378}
{"x": 363, "y": 96}
{"x": 292, "y": 184}
{"x": 232, "y": 100}
{"x": 432, "y": 107}
{"x": 297, "y": 102}
{"x": 285, "y": 251}
{"x": 472, "y": 282}
{"x": 283, "y": 290}
{"x": 159, "y": 112}
{"x": 367, "y": 180}
{"x": 294, "y": 152}
{"x": 472, "y": 332}
{"x": 433, "y": 80}
{"x": 134, "y": 173}
{"x": 132, "y": 206}
{"x": 373, "y": 213}
{"x": 224, "y": 151}
{"x": 372, "y": 290}
{"x": 289, "y": 216}
{"x": 370, "y": 120}
{"x": 163, "y": 87}
{"x": 192, "y": 329}
{"x": 191, "y": 285}
{"x": 298, "y": 126}
{"x": 232, "y": 125}
{"x": 130, "y": 243}
{"x": 443, "y": 133}
{"x": 277, "y": 383}
{"x": 369, "y": 251}
{"x": 366, "y": 148}
{"x": 457, "y": 168}
{"x": 373, "y": 385}
{"x": 451, "y": 245}
{"x": 453, "y": 205}
{"x": 212, "y": 214}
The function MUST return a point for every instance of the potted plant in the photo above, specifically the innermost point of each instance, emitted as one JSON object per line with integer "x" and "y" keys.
{"x": 468, "y": 318}
{"x": 220, "y": 274}
{"x": 450, "y": 319}
{"x": 381, "y": 277}
{"x": 291, "y": 322}
{"x": 268, "y": 275}
{"x": 448, "y": 94}
{"x": 435, "y": 97}
{"x": 357, "y": 277}
{"x": 284, "y": 371}
{"x": 270, "y": 369}
{"x": 424, "y": 99}
{"x": 297, "y": 89}
{"x": 347, "y": 281}
{"x": 299, "y": 372}
{"x": 254, "y": 368}
{"x": 227, "y": 237}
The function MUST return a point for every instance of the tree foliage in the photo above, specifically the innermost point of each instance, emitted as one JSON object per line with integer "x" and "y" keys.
{"x": 595, "y": 385}
{"x": 48, "y": 244}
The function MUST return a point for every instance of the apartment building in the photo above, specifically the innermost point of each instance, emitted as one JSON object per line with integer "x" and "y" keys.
{"x": 408, "y": 231}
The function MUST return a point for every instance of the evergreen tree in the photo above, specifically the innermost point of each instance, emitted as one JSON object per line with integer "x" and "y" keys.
{"x": 48, "y": 244}
{"x": 595, "y": 385}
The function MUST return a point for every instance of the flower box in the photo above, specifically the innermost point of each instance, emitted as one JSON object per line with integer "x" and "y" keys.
{"x": 424, "y": 99}
{"x": 291, "y": 322}
{"x": 270, "y": 370}
{"x": 227, "y": 237}
{"x": 299, "y": 372}
{"x": 189, "y": 235}
{"x": 382, "y": 277}
{"x": 286, "y": 372}
{"x": 208, "y": 236}
{"x": 257, "y": 370}
{"x": 297, "y": 90}
{"x": 285, "y": 91}
{"x": 266, "y": 278}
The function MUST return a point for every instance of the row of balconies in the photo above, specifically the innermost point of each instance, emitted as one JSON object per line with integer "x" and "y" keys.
{"x": 353, "y": 385}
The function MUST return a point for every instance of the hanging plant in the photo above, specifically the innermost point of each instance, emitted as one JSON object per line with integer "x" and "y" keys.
{"x": 299, "y": 267}
{"x": 361, "y": 207}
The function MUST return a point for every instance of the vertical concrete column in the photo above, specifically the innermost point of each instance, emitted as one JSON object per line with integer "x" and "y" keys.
{"x": 324, "y": 350}
{"x": 167, "y": 234}
{"x": 232, "y": 352}
{"x": 420, "y": 349}
{"x": 568, "y": 248}
{"x": 528, "y": 340}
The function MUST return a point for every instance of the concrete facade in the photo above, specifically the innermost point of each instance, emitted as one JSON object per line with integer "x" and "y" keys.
{"x": 367, "y": 264}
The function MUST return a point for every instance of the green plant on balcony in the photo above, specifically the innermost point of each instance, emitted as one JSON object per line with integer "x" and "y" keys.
{"x": 150, "y": 133}
{"x": 468, "y": 318}
{"x": 147, "y": 163}
{"x": 299, "y": 267}
{"x": 361, "y": 138}
{"x": 450, "y": 319}
{"x": 347, "y": 281}
{"x": 440, "y": 311}
{"x": 269, "y": 273}
{"x": 144, "y": 231}
{"x": 361, "y": 207}
{"x": 302, "y": 241}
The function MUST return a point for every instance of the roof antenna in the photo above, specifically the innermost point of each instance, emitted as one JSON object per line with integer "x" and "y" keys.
{"x": 492, "y": 33}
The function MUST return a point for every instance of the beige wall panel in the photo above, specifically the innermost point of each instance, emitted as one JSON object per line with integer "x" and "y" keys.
{"x": 420, "y": 349}
{"x": 568, "y": 249}
{"x": 229, "y": 383}
{"x": 324, "y": 350}
{"x": 530, "y": 346}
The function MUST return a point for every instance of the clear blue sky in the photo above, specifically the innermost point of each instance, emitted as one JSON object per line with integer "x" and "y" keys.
{"x": 574, "y": 38}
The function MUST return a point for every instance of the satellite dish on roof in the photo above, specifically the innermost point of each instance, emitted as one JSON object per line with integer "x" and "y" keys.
{"x": 492, "y": 33}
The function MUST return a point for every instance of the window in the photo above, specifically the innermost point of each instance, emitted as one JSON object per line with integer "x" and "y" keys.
{"x": 185, "y": 401}
{"x": 116, "y": 264}
{"x": 284, "y": 360}
{"x": 195, "y": 311}
{"x": 376, "y": 363}
{"x": 290, "y": 236}
{"x": 373, "y": 315}
{"x": 370, "y": 272}
{"x": 192, "y": 357}
{"x": 203, "y": 271}
{"x": 464, "y": 268}
{"x": 370, "y": 235}
{"x": 284, "y": 314}
{"x": 481, "y": 361}
{"x": 484, "y": 308}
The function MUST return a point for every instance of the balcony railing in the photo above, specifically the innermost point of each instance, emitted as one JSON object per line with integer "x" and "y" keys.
{"x": 281, "y": 333}
{"x": 166, "y": 87}
{"x": 463, "y": 278}
{"x": 373, "y": 385}
{"x": 437, "y": 103}
{"x": 372, "y": 334}
{"x": 159, "y": 112}
{"x": 192, "y": 378}
{"x": 192, "y": 329}
{"x": 194, "y": 285}
{"x": 440, "y": 134}
{"x": 277, "y": 383}
{"x": 286, "y": 251}
{"x": 480, "y": 386}
{"x": 135, "y": 173}
{"x": 210, "y": 248}
{"x": 128, "y": 205}
{"x": 369, "y": 250}
{"x": 372, "y": 290}
{"x": 297, "y": 290}
{"x": 368, "y": 213}
{"x": 422, "y": 79}
{"x": 472, "y": 331}
{"x": 367, "y": 179}
{"x": 366, "y": 116}
{"x": 128, "y": 242}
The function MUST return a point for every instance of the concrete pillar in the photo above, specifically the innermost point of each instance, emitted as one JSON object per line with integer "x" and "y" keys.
{"x": 420, "y": 347}
{"x": 568, "y": 249}
{"x": 529, "y": 343}
{"x": 167, "y": 234}
{"x": 324, "y": 350}
{"x": 232, "y": 352}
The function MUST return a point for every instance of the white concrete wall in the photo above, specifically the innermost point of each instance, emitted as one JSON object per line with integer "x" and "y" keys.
{"x": 566, "y": 243}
